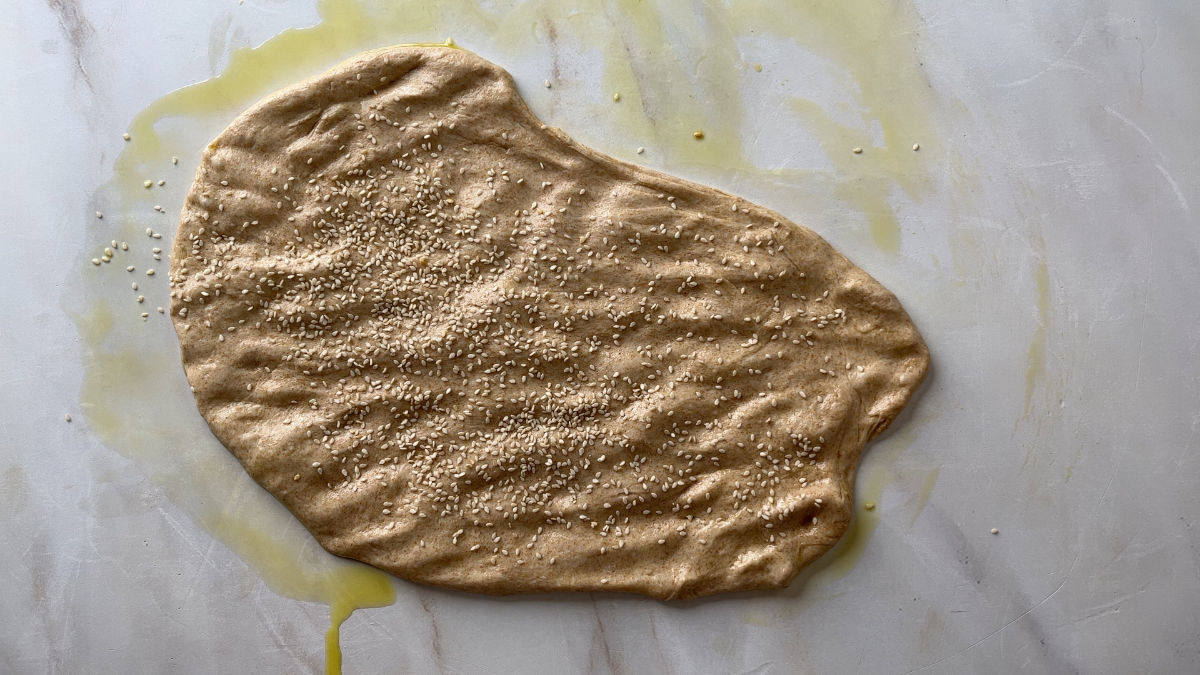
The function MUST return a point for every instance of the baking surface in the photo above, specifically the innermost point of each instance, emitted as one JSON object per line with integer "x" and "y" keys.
{"x": 1043, "y": 238}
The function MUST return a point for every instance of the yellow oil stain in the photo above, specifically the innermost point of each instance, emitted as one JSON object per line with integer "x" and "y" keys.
{"x": 656, "y": 53}
{"x": 344, "y": 588}
{"x": 1035, "y": 362}
{"x": 753, "y": 617}
{"x": 864, "y": 182}
{"x": 924, "y": 494}
{"x": 871, "y": 44}
{"x": 133, "y": 394}
{"x": 135, "y": 402}
{"x": 852, "y": 546}
{"x": 680, "y": 69}
{"x": 844, "y": 556}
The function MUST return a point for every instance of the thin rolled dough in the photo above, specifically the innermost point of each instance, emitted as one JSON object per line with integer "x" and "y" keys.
{"x": 467, "y": 350}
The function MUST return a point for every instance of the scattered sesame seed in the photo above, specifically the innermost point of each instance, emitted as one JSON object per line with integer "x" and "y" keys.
{"x": 758, "y": 67}
{"x": 995, "y": 530}
{"x": 147, "y": 184}
{"x": 67, "y": 417}
{"x": 150, "y": 272}
{"x": 916, "y": 147}
{"x": 870, "y": 506}
{"x": 698, "y": 134}
{"x": 126, "y": 135}
{"x": 857, "y": 151}
{"x": 640, "y": 150}
{"x": 617, "y": 97}
{"x": 547, "y": 83}
{"x": 99, "y": 215}
{"x": 174, "y": 160}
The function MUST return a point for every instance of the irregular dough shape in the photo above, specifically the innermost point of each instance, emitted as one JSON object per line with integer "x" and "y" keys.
{"x": 471, "y": 352}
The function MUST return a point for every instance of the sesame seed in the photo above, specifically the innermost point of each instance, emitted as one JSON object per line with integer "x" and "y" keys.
{"x": 858, "y": 151}
{"x": 698, "y": 134}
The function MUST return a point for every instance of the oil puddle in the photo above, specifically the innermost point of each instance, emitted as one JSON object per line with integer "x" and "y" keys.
{"x": 134, "y": 395}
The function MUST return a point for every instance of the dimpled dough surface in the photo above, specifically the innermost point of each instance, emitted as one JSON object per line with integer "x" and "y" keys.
{"x": 469, "y": 351}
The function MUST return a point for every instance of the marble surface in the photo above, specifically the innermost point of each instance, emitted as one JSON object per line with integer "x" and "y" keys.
{"x": 1044, "y": 237}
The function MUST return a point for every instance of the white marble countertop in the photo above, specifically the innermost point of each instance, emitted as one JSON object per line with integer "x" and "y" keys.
{"x": 1045, "y": 238}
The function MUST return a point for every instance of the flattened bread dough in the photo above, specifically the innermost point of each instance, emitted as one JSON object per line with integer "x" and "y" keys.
{"x": 465, "y": 349}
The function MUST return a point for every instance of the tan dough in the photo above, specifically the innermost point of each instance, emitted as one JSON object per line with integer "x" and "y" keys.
{"x": 469, "y": 351}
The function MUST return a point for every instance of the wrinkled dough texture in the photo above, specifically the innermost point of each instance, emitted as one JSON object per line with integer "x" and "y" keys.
{"x": 464, "y": 349}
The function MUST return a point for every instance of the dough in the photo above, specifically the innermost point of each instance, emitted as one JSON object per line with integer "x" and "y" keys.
{"x": 464, "y": 349}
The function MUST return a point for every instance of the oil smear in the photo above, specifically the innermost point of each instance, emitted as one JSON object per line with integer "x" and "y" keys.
{"x": 136, "y": 401}
{"x": 134, "y": 394}
{"x": 850, "y": 548}
{"x": 1035, "y": 365}
{"x": 886, "y": 107}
